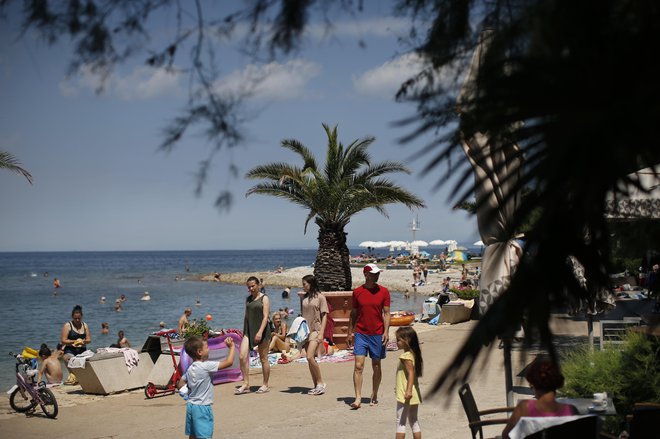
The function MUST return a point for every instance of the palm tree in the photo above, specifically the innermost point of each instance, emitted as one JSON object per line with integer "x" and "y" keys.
{"x": 348, "y": 183}
{"x": 9, "y": 162}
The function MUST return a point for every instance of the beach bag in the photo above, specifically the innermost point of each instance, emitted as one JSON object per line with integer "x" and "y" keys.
{"x": 299, "y": 331}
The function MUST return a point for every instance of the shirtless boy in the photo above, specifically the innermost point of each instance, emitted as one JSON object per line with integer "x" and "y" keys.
{"x": 183, "y": 320}
{"x": 50, "y": 366}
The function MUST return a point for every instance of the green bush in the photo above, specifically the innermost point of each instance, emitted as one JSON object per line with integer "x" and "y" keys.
{"x": 629, "y": 375}
{"x": 640, "y": 371}
{"x": 466, "y": 294}
{"x": 196, "y": 327}
{"x": 630, "y": 264}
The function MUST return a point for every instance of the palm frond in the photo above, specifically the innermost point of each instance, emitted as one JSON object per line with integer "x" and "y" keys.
{"x": 10, "y": 162}
{"x": 273, "y": 171}
{"x": 309, "y": 161}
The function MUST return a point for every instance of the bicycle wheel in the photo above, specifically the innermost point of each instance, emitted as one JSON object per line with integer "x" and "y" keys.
{"x": 48, "y": 403}
{"x": 20, "y": 401}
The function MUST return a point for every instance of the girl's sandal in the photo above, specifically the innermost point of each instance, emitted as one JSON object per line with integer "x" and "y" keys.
{"x": 242, "y": 390}
{"x": 263, "y": 389}
{"x": 318, "y": 390}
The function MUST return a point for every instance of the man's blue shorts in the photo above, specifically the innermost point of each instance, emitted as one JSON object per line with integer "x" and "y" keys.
{"x": 373, "y": 344}
{"x": 199, "y": 421}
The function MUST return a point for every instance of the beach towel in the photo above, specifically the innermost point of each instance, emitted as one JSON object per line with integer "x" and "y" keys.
{"x": 78, "y": 362}
{"x": 299, "y": 331}
{"x": 131, "y": 357}
{"x": 255, "y": 361}
{"x": 340, "y": 356}
{"x": 430, "y": 308}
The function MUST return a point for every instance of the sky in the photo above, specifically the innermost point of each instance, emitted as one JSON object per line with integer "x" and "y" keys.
{"x": 100, "y": 182}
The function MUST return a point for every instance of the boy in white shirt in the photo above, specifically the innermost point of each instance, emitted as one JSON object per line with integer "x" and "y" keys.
{"x": 199, "y": 413}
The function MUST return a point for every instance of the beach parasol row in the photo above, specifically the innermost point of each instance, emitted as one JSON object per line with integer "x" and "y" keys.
{"x": 399, "y": 245}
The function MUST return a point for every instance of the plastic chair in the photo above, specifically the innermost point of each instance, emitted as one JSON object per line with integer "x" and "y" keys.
{"x": 583, "y": 428}
{"x": 474, "y": 414}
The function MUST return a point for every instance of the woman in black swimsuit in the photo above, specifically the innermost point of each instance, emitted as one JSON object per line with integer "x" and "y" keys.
{"x": 75, "y": 334}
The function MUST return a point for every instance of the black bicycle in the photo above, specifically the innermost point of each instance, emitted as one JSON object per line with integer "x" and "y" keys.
{"x": 26, "y": 394}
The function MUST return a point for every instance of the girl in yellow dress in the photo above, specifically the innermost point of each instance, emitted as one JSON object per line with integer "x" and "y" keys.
{"x": 408, "y": 396}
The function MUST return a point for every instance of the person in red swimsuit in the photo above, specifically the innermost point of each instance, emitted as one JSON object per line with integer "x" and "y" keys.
{"x": 544, "y": 378}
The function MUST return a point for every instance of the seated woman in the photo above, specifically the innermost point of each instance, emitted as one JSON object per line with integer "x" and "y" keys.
{"x": 544, "y": 378}
{"x": 279, "y": 341}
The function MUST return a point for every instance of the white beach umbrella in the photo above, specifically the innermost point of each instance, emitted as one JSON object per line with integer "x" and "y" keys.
{"x": 419, "y": 243}
{"x": 438, "y": 242}
{"x": 398, "y": 245}
{"x": 381, "y": 244}
{"x": 479, "y": 243}
{"x": 366, "y": 244}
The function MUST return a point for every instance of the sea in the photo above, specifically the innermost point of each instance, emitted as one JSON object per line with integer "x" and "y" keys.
{"x": 31, "y": 313}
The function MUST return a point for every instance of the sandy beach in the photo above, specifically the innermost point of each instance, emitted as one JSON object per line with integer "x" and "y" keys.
{"x": 394, "y": 279}
{"x": 285, "y": 409}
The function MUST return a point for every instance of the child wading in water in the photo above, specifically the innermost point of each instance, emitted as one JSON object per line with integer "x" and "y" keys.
{"x": 199, "y": 413}
{"x": 408, "y": 396}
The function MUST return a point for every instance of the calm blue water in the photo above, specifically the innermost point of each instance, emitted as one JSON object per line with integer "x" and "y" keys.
{"x": 30, "y": 314}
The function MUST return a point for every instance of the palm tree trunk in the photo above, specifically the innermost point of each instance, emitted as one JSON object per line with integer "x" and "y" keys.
{"x": 332, "y": 268}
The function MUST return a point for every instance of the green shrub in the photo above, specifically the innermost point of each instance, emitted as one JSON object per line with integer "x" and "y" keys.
{"x": 640, "y": 371}
{"x": 630, "y": 264}
{"x": 196, "y": 327}
{"x": 587, "y": 372}
{"x": 629, "y": 375}
{"x": 466, "y": 294}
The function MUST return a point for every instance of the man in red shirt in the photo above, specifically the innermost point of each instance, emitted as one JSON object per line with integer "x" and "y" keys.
{"x": 370, "y": 319}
